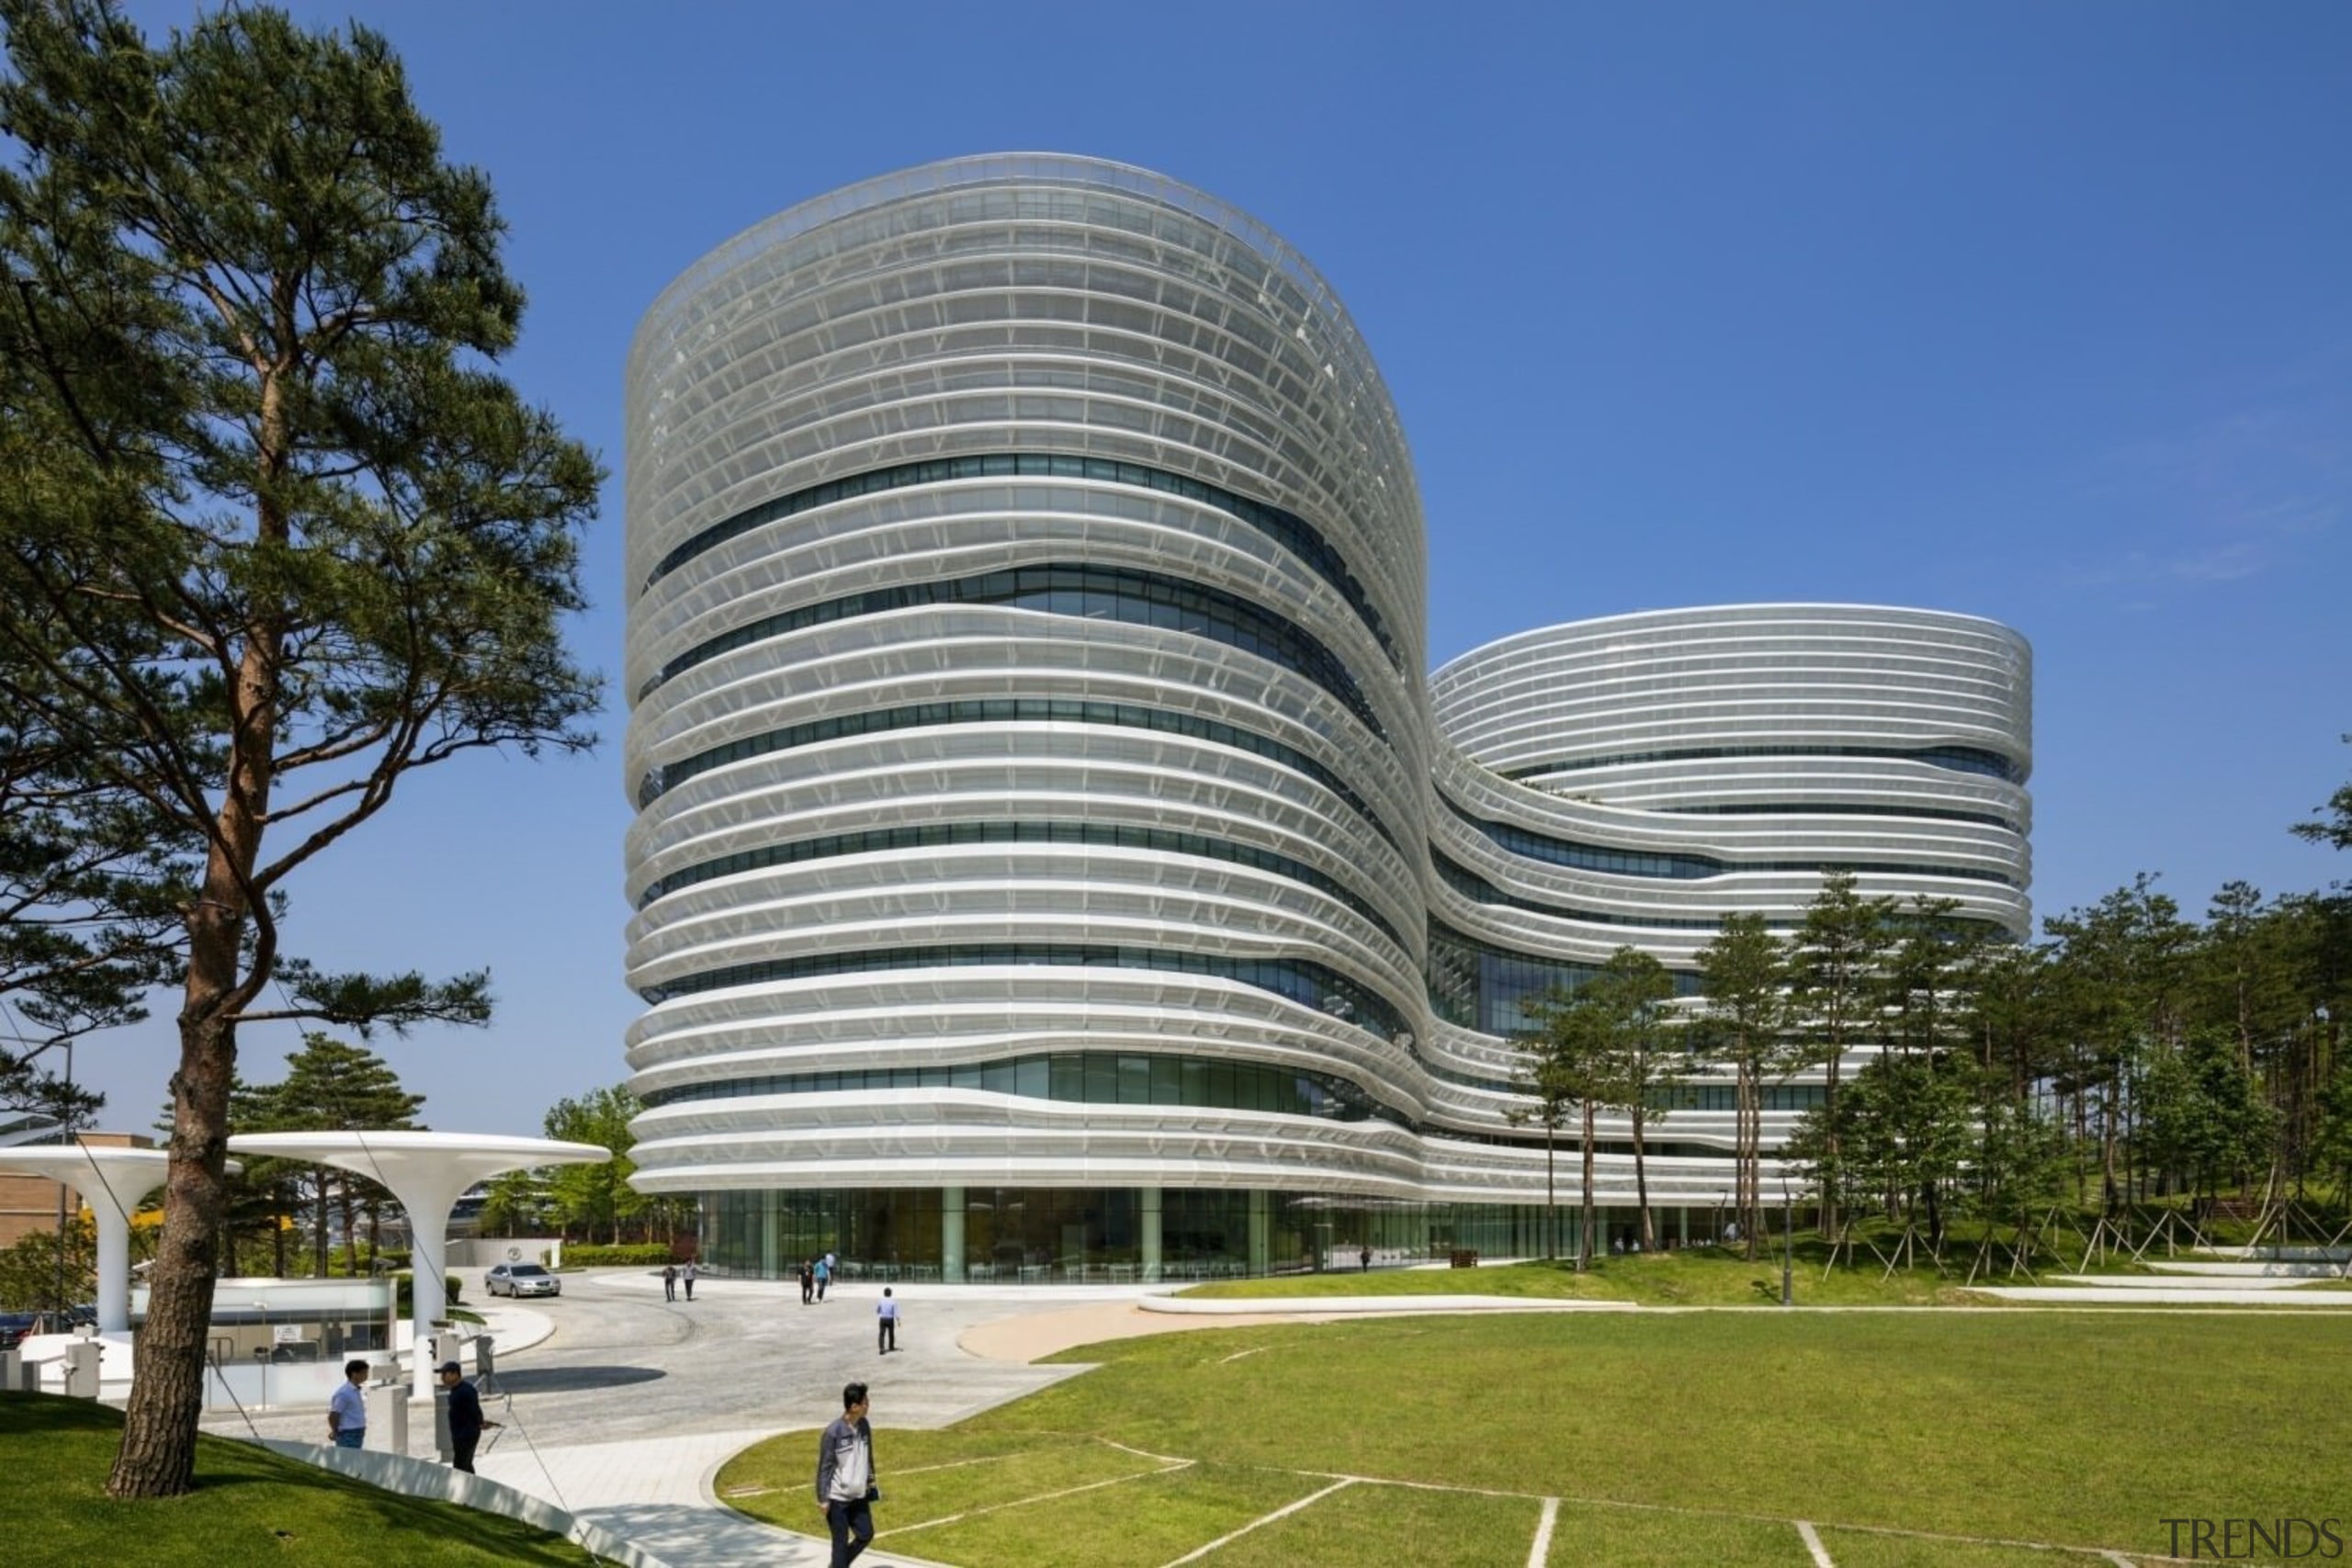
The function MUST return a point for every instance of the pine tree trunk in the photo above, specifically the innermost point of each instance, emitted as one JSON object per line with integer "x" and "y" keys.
{"x": 158, "y": 1454}
{"x": 1642, "y": 1184}
{"x": 1584, "y": 1228}
{"x": 1551, "y": 1203}
{"x": 157, "y": 1458}
{"x": 1751, "y": 1160}
{"x": 1830, "y": 1172}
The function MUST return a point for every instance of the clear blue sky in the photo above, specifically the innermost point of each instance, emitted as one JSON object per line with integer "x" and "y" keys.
{"x": 2041, "y": 313}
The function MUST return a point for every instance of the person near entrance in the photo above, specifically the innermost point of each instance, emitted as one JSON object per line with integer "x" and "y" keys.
{"x": 669, "y": 1282}
{"x": 846, "y": 1484}
{"x": 886, "y": 1323}
{"x": 465, "y": 1416}
{"x": 348, "y": 1410}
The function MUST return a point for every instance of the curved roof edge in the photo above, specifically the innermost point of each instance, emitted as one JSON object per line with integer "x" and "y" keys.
{"x": 976, "y": 170}
{"x": 1630, "y": 618}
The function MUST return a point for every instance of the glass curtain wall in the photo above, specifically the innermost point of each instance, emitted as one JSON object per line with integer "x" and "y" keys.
{"x": 1060, "y": 1235}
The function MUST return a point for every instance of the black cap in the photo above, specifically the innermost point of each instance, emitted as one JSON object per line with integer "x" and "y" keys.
{"x": 453, "y": 1367}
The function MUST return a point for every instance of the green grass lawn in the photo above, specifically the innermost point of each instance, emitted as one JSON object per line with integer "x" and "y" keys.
{"x": 1691, "y": 1277}
{"x": 1674, "y": 1439}
{"x": 1694, "y": 1277}
{"x": 249, "y": 1506}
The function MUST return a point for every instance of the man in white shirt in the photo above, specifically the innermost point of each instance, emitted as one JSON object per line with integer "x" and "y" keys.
{"x": 348, "y": 1410}
{"x": 845, "y": 1487}
{"x": 886, "y": 1323}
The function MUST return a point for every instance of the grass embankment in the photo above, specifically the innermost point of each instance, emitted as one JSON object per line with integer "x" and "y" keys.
{"x": 249, "y": 1506}
{"x": 1675, "y": 1440}
{"x": 1699, "y": 1276}
{"x": 1704, "y": 1276}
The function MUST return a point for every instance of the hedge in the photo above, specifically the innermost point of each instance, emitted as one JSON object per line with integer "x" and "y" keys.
{"x": 404, "y": 1284}
{"x": 650, "y": 1253}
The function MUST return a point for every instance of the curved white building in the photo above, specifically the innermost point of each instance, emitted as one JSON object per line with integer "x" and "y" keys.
{"x": 1050, "y": 854}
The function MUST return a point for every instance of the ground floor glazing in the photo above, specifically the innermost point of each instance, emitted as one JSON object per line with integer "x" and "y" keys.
{"x": 1127, "y": 1234}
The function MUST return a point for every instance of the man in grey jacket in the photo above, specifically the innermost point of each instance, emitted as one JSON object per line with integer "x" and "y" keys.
{"x": 845, "y": 1487}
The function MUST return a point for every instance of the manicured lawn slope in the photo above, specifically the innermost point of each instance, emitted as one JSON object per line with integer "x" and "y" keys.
{"x": 1694, "y": 1277}
{"x": 2078, "y": 1430}
{"x": 249, "y": 1507}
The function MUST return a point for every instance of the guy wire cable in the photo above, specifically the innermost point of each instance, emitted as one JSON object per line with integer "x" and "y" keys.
{"x": 418, "y": 1350}
{"x": 212, "y": 1360}
{"x": 377, "y": 1167}
{"x": 560, "y": 1501}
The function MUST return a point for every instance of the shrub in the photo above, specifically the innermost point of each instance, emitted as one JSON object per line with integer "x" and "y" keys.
{"x": 404, "y": 1283}
{"x": 648, "y": 1253}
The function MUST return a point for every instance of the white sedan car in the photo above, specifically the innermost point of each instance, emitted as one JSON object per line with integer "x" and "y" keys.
{"x": 521, "y": 1279}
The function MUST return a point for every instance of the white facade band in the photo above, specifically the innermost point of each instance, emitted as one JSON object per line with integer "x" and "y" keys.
{"x": 1039, "y": 791}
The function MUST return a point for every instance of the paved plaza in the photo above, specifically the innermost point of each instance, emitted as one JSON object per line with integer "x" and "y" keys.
{"x": 622, "y": 1414}
{"x": 620, "y": 1406}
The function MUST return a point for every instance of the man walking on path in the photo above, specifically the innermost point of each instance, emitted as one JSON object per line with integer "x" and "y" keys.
{"x": 348, "y": 1410}
{"x": 824, "y": 1273}
{"x": 690, "y": 1279}
{"x": 808, "y": 1280}
{"x": 465, "y": 1416}
{"x": 845, "y": 1487}
{"x": 669, "y": 1282}
{"x": 886, "y": 1323}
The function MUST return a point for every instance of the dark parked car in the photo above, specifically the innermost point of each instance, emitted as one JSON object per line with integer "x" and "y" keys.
{"x": 17, "y": 1326}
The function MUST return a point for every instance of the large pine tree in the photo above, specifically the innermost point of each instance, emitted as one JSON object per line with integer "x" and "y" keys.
{"x": 281, "y": 532}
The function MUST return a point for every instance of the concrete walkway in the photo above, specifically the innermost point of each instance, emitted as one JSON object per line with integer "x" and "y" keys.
{"x": 622, "y": 1414}
{"x": 2175, "y": 1292}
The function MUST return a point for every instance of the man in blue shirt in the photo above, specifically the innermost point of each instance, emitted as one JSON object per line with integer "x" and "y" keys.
{"x": 465, "y": 1416}
{"x": 348, "y": 1410}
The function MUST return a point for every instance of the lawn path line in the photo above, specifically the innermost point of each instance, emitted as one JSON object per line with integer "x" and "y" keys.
{"x": 1041, "y": 1498}
{"x": 961, "y": 1463}
{"x": 1238, "y": 1354}
{"x": 1170, "y": 1460}
{"x": 2107, "y": 1551}
{"x": 1541, "y": 1552}
{"x": 1200, "y": 1552}
{"x": 1813, "y": 1544}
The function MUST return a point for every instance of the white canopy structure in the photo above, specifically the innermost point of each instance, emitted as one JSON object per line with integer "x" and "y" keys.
{"x": 111, "y": 1179}
{"x": 427, "y": 1172}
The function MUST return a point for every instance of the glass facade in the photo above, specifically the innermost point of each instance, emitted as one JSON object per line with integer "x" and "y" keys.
{"x": 1636, "y": 863}
{"x": 1288, "y": 529}
{"x": 1003, "y": 710}
{"x": 1310, "y": 985}
{"x": 1114, "y": 1234}
{"x": 1481, "y": 987}
{"x": 1086, "y": 593}
{"x": 1084, "y": 1077}
{"x": 934, "y": 835}
{"x": 1960, "y": 759}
